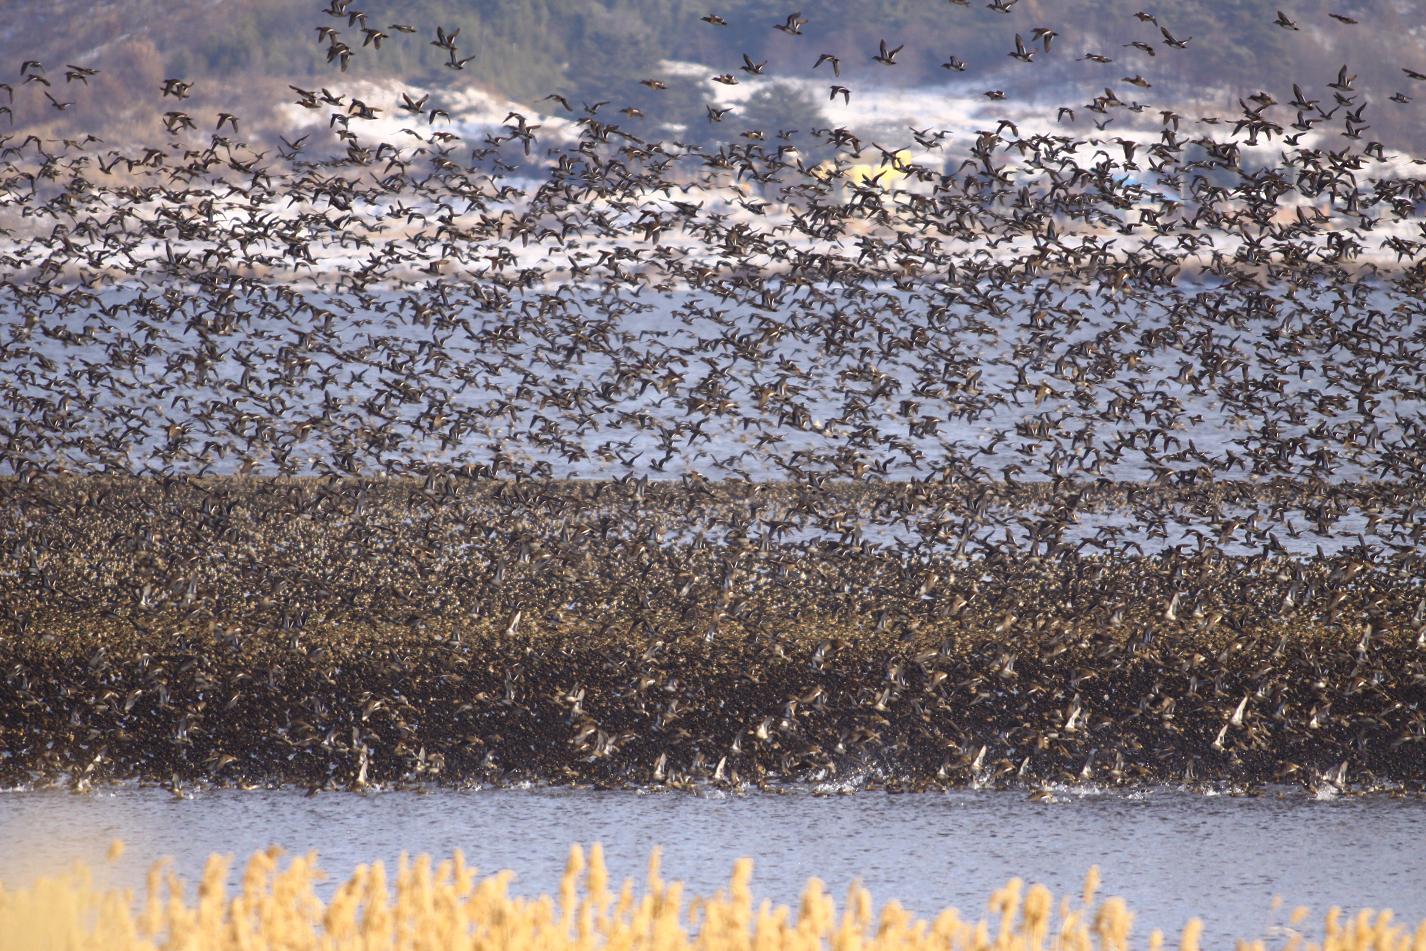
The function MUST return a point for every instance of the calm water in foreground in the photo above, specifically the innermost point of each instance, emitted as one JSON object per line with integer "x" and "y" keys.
{"x": 1170, "y": 854}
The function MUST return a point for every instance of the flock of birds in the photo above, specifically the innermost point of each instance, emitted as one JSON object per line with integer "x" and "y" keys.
{"x": 348, "y": 633}
{"x": 610, "y": 458}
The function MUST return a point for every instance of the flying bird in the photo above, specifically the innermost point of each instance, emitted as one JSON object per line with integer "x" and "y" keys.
{"x": 887, "y": 57}
{"x": 792, "y": 25}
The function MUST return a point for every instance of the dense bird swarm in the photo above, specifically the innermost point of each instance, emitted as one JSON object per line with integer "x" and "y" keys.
{"x": 342, "y": 633}
{"x": 574, "y": 452}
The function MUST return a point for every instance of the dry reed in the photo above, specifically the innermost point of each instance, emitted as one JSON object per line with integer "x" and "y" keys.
{"x": 447, "y": 906}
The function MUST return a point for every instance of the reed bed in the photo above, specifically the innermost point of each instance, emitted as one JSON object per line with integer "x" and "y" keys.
{"x": 447, "y": 905}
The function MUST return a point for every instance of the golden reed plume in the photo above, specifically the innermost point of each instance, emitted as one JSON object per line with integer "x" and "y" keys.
{"x": 447, "y": 907}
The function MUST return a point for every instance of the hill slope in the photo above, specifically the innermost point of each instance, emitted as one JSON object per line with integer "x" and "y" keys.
{"x": 599, "y": 49}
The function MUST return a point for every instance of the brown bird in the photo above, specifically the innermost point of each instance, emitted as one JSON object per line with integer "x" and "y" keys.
{"x": 887, "y": 57}
{"x": 793, "y": 24}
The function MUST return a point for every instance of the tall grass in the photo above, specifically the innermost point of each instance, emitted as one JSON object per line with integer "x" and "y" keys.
{"x": 448, "y": 906}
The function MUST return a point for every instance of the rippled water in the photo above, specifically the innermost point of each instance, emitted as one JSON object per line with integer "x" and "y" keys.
{"x": 1171, "y": 854}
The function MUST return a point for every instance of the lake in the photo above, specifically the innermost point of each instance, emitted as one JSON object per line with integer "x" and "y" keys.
{"x": 1171, "y": 854}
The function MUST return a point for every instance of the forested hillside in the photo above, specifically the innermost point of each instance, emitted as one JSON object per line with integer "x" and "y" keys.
{"x": 600, "y": 49}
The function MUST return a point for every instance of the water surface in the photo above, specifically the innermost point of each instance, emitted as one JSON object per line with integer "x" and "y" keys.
{"x": 1171, "y": 854}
